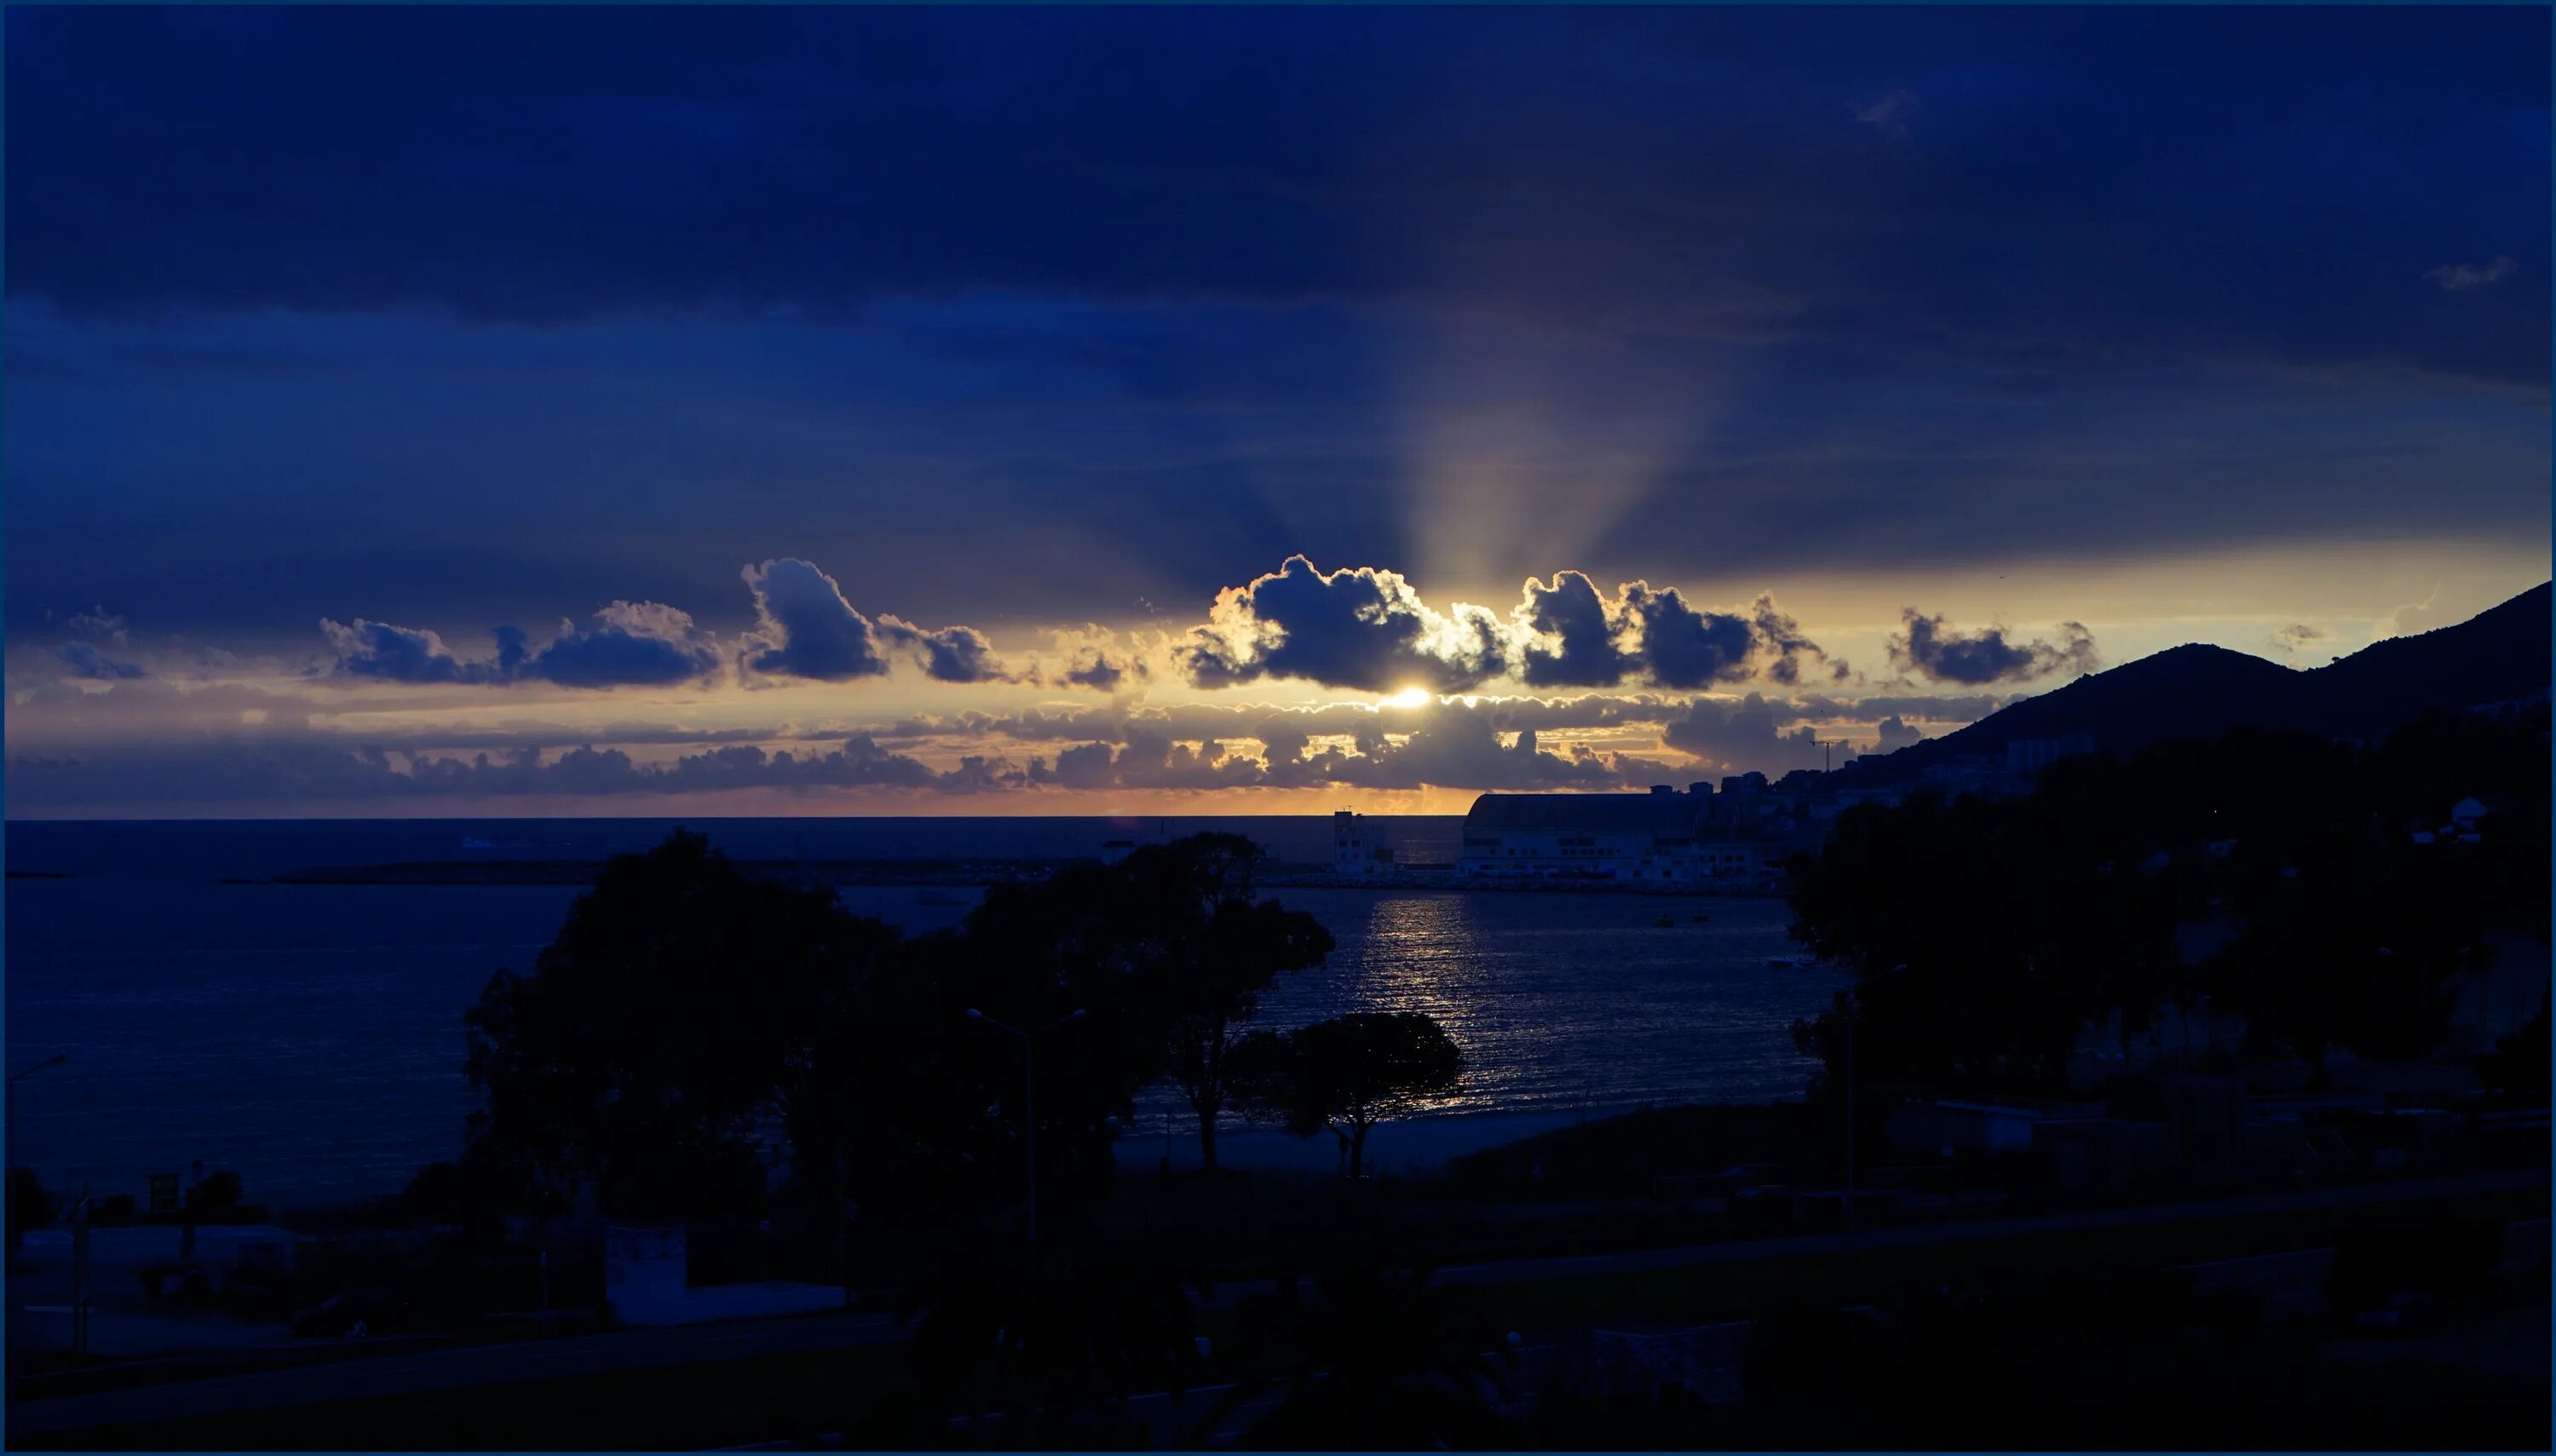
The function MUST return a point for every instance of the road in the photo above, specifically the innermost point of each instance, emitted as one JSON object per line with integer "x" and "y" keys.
{"x": 475, "y": 1365}
{"x": 694, "y": 1344}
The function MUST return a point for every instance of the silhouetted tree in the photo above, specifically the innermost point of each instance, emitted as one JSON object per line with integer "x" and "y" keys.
{"x": 657, "y": 1032}
{"x": 1988, "y": 936}
{"x": 1983, "y": 949}
{"x": 30, "y": 1206}
{"x": 1348, "y": 1074}
{"x": 218, "y": 1193}
{"x": 1212, "y": 949}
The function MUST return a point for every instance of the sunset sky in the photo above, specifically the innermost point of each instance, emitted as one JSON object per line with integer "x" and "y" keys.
{"x": 463, "y": 411}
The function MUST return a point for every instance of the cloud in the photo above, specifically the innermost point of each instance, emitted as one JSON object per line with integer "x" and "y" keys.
{"x": 305, "y": 767}
{"x": 1368, "y": 628}
{"x": 2416, "y": 617}
{"x": 1581, "y": 626}
{"x": 1742, "y": 735}
{"x": 950, "y": 654}
{"x": 98, "y": 621}
{"x": 1888, "y": 113}
{"x": 395, "y": 654}
{"x": 1681, "y": 647}
{"x": 1148, "y": 761}
{"x": 803, "y": 628}
{"x": 1895, "y": 735}
{"x": 1358, "y": 627}
{"x": 1939, "y": 653}
{"x": 235, "y": 742}
{"x": 1458, "y": 750}
{"x": 1094, "y": 659}
{"x": 626, "y": 644}
{"x": 2295, "y": 636}
{"x": 1572, "y": 635}
{"x": 86, "y": 661}
{"x": 2461, "y": 277}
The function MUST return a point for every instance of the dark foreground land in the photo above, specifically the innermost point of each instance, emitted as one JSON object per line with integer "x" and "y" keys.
{"x": 2083, "y": 1329}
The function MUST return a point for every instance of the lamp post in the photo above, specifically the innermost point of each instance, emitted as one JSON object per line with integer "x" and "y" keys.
{"x": 1849, "y": 1113}
{"x": 10, "y": 1096}
{"x": 1029, "y": 1094}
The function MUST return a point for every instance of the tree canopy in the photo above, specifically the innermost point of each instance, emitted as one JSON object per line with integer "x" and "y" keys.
{"x": 696, "y": 1027}
{"x": 2278, "y": 875}
{"x": 1347, "y": 1074}
{"x": 649, "y": 1047}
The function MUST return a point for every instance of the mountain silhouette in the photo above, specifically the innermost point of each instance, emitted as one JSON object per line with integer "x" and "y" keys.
{"x": 2198, "y": 691}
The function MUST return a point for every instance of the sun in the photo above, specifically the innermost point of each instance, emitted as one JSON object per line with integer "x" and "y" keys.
{"x": 1408, "y": 698}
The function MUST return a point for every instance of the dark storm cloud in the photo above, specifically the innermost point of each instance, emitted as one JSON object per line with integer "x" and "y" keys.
{"x": 86, "y": 661}
{"x": 1938, "y": 652}
{"x": 538, "y": 164}
{"x": 1920, "y": 262}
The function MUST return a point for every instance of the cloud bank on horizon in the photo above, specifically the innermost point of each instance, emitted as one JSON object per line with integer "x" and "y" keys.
{"x": 232, "y": 728}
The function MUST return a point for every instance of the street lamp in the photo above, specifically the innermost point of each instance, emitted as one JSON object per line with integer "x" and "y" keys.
{"x": 1029, "y": 1094}
{"x": 10, "y": 1096}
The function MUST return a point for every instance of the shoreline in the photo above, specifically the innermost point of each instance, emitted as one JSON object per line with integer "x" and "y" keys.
{"x": 967, "y": 874}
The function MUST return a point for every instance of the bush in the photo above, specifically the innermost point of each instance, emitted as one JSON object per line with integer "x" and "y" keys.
{"x": 218, "y": 1193}
{"x": 30, "y": 1206}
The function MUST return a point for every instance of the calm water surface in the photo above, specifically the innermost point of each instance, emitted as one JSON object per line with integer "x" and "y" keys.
{"x": 310, "y": 1036}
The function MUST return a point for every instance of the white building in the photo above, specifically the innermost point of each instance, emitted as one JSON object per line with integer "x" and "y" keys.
{"x": 1359, "y": 849}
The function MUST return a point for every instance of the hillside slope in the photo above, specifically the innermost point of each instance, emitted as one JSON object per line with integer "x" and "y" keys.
{"x": 2199, "y": 691}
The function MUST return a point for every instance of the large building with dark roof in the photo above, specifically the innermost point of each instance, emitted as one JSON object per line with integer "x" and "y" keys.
{"x": 1660, "y": 838}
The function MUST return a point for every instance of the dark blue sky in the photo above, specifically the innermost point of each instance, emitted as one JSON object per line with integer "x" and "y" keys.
{"x": 456, "y": 315}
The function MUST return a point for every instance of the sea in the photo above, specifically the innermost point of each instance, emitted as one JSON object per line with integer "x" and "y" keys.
{"x": 310, "y": 1036}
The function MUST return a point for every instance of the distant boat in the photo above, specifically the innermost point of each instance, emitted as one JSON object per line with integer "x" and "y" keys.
{"x": 1667, "y": 923}
{"x": 1782, "y": 960}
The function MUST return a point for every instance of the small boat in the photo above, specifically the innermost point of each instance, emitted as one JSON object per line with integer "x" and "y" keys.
{"x": 1784, "y": 961}
{"x": 1667, "y": 924}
